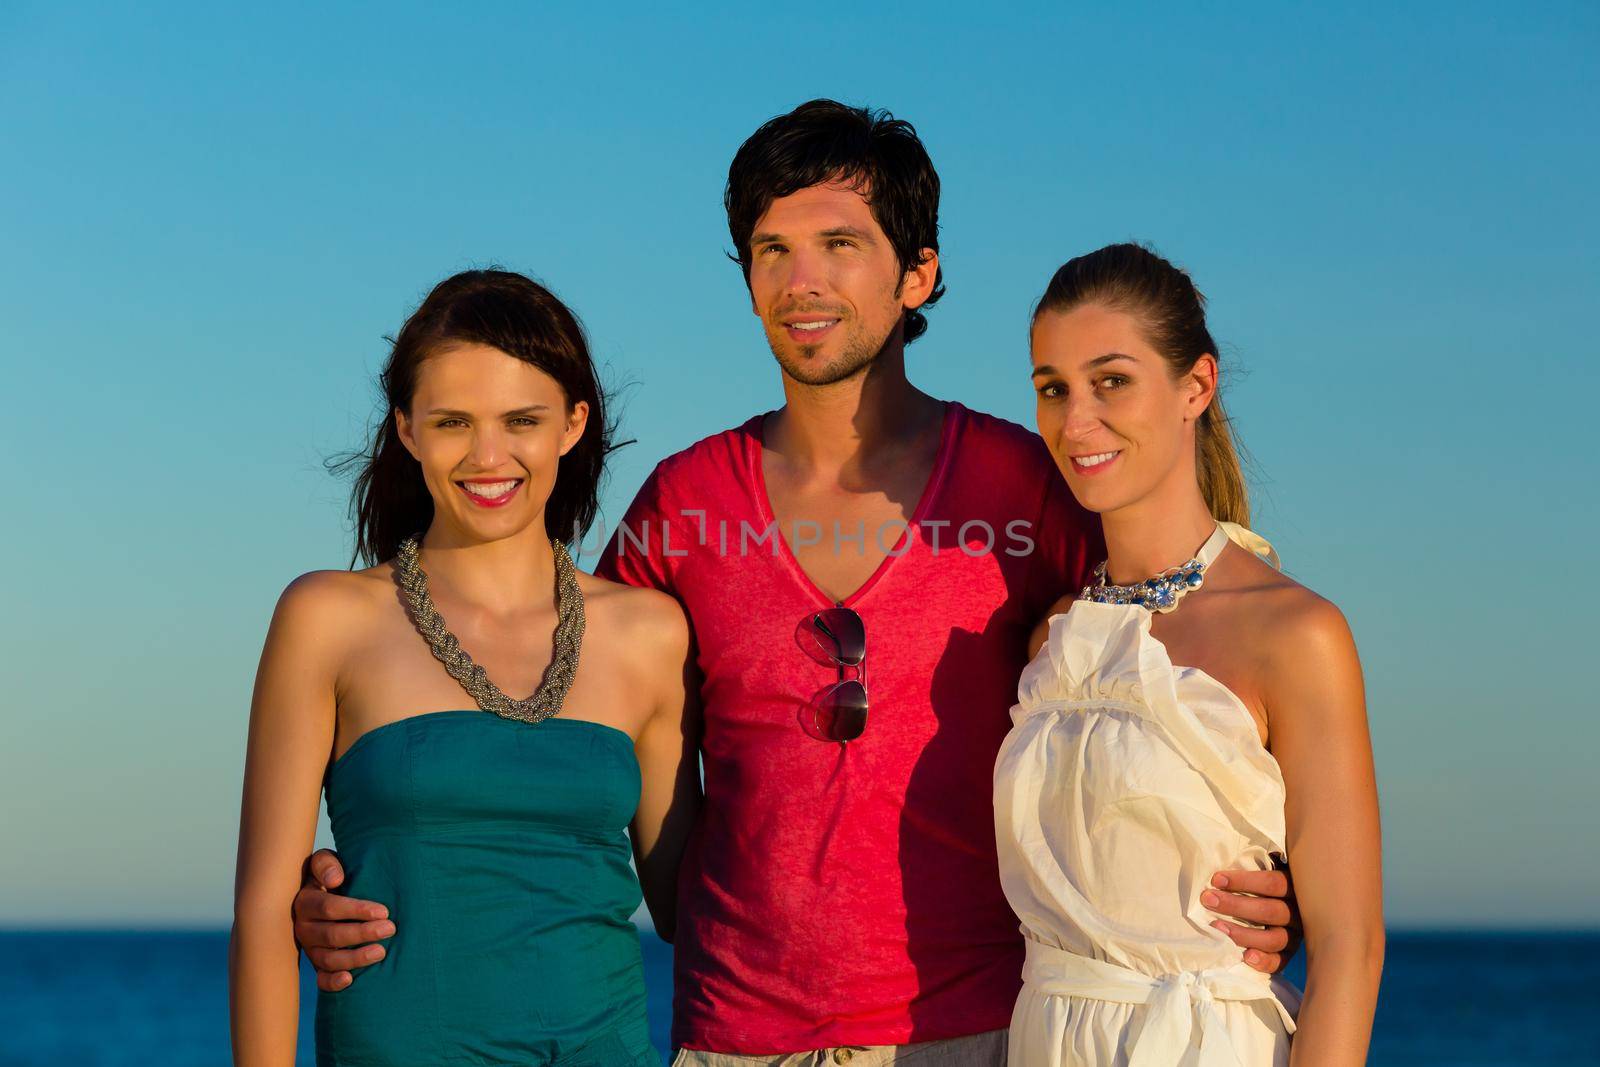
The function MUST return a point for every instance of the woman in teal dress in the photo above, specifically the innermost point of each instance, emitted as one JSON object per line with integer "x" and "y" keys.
{"x": 495, "y": 830}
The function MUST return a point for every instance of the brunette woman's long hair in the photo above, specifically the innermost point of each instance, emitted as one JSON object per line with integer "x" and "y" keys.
{"x": 389, "y": 500}
{"x": 1172, "y": 315}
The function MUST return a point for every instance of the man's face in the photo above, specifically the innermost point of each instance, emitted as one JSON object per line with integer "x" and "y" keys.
{"x": 826, "y": 283}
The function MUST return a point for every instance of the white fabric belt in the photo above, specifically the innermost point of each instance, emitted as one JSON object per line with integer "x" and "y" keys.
{"x": 1175, "y": 1001}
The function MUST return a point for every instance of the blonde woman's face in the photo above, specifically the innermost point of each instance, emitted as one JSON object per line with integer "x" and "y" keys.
{"x": 1118, "y": 423}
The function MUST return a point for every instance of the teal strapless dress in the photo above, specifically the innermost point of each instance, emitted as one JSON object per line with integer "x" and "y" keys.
{"x": 501, "y": 851}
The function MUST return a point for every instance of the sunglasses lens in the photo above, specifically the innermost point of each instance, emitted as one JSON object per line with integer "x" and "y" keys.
{"x": 840, "y": 711}
{"x": 842, "y": 635}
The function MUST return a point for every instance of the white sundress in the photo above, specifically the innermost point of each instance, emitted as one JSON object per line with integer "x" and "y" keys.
{"x": 1124, "y": 784}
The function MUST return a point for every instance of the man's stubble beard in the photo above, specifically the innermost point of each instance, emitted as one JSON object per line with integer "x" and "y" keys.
{"x": 858, "y": 354}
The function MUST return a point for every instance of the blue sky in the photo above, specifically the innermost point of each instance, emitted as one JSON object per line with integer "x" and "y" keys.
{"x": 210, "y": 219}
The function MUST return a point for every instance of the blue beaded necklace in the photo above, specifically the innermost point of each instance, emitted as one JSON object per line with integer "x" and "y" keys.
{"x": 1162, "y": 592}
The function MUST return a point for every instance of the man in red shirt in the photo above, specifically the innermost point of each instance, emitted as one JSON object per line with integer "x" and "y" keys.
{"x": 862, "y": 568}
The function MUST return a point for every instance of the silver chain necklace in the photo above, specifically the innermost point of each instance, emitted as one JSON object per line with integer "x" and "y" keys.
{"x": 1162, "y": 592}
{"x": 552, "y": 692}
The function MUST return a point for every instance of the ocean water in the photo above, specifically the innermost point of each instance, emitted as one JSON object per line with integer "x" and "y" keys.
{"x": 144, "y": 998}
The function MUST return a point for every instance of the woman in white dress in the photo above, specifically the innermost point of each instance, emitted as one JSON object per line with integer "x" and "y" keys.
{"x": 1208, "y": 714}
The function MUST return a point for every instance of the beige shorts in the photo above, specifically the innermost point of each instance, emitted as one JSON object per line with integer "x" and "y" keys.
{"x": 978, "y": 1050}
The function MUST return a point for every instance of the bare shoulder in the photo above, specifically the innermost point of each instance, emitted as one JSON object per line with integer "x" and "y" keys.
{"x": 1298, "y": 621}
{"x": 333, "y": 590}
{"x": 1303, "y": 637}
{"x": 648, "y": 622}
{"x": 331, "y": 604}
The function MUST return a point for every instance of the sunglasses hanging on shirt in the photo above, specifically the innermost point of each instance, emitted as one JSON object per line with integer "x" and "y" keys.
{"x": 837, "y": 636}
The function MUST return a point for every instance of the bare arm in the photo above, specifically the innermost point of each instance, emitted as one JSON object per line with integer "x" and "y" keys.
{"x": 668, "y": 748}
{"x": 1318, "y": 729}
{"x": 291, "y": 734}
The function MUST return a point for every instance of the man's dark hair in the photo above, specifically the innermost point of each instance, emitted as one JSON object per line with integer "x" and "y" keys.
{"x": 826, "y": 141}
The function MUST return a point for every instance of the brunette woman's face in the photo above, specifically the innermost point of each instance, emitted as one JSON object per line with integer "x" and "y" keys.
{"x": 1120, "y": 426}
{"x": 488, "y": 430}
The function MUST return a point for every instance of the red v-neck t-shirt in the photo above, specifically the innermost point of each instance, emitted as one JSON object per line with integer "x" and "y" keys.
{"x": 849, "y": 894}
